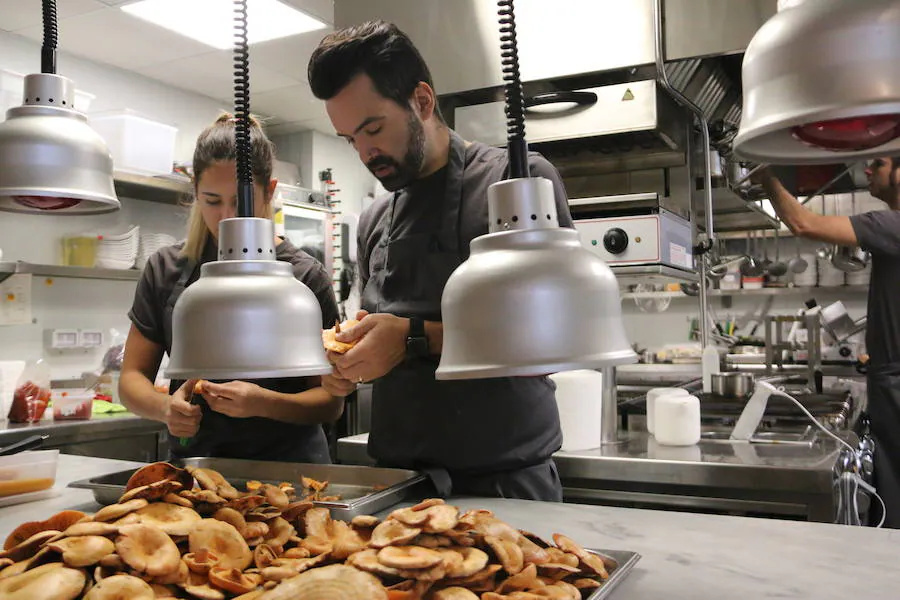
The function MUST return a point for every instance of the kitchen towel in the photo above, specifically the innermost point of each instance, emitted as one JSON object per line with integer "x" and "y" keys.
{"x": 578, "y": 397}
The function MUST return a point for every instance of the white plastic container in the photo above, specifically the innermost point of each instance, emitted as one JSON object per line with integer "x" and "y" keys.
{"x": 28, "y": 472}
{"x": 72, "y": 405}
{"x": 677, "y": 420}
{"x": 652, "y": 396}
{"x": 12, "y": 88}
{"x": 138, "y": 144}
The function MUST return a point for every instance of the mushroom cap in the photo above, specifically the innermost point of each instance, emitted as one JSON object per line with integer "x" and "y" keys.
{"x": 509, "y": 554}
{"x": 208, "y": 479}
{"x": 121, "y": 587}
{"x": 223, "y": 540}
{"x": 364, "y": 521}
{"x": 235, "y": 518}
{"x": 392, "y": 532}
{"x": 52, "y": 581}
{"x": 57, "y": 522}
{"x": 159, "y": 471}
{"x": 441, "y": 518}
{"x": 153, "y": 491}
{"x": 83, "y": 551}
{"x": 170, "y": 518}
{"x": 91, "y": 528}
{"x": 201, "y": 562}
{"x": 333, "y": 581}
{"x": 29, "y": 547}
{"x": 117, "y": 511}
{"x": 280, "y": 531}
{"x": 454, "y": 593}
{"x": 231, "y": 580}
{"x": 409, "y": 557}
{"x": 147, "y": 549}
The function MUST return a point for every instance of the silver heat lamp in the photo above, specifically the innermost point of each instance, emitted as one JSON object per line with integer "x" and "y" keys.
{"x": 530, "y": 300}
{"x": 50, "y": 158}
{"x": 247, "y": 317}
{"x": 822, "y": 84}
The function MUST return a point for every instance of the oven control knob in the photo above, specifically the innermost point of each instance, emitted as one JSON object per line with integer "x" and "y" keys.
{"x": 615, "y": 240}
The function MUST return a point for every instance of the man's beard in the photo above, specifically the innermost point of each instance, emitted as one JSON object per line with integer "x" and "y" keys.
{"x": 406, "y": 171}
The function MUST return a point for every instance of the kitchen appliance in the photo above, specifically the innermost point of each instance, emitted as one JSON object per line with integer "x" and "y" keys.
{"x": 732, "y": 385}
{"x": 849, "y": 259}
{"x": 654, "y": 237}
{"x": 310, "y": 227}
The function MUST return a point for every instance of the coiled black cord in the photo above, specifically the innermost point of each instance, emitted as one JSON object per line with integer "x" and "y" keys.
{"x": 243, "y": 144}
{"x": 51, "y": 37}
{"x": 515, "y": 97}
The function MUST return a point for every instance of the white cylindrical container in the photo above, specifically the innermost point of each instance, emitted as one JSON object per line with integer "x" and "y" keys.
{"x": 677, "y": 420}
{"x": 652, "y": 395}
{"x": 657, "y": 451}
{"x": 578, "y": 398}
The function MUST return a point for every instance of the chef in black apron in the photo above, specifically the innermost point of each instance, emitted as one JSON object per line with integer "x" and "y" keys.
{"x": 878, "y": 232}
{"x": 487, "y": 437}
{"x": 272, "y": 419}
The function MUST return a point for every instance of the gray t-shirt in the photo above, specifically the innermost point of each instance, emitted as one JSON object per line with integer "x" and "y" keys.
{"x": 255, "y": 438}
{"x": 879, "y": 233}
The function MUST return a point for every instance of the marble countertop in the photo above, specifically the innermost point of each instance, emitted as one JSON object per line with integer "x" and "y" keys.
{"x": 684, "y": 556}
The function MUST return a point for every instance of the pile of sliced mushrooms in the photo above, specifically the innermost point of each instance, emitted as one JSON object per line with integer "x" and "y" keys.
{"x": 189, "y": 533}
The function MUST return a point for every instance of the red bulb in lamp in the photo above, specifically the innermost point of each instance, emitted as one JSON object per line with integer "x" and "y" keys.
{"x": 46, "y": 202}
{"x": 857, "y": 133}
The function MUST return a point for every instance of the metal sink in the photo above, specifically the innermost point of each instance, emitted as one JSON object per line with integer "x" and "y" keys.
{"x": 807, "y": 437}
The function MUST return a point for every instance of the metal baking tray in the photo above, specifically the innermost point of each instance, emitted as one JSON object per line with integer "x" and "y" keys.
{"x": 363, "y": 490}
{"x": 624, "y": 561}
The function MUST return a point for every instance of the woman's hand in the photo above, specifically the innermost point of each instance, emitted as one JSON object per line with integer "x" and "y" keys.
{"x": 337, "y": 386}
{"x": 238, "y": 399}
{"x": 182, "y": 417}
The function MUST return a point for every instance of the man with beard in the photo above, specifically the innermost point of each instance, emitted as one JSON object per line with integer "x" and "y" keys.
{"x": 878, "y": 232}
{"x": 487, "y": 437}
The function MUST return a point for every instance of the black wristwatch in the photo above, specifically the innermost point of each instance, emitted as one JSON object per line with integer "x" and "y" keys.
{"x": 416, "y": 342}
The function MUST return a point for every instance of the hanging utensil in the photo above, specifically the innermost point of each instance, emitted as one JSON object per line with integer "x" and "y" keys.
{"x": 750, "y": 267}
{"x": 797, "y": 264}
{"x": 778, "y": 268}
{"x": 766, "y": 263}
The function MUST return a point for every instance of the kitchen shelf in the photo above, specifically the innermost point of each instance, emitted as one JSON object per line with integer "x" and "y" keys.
{"x": 7, "y": 269}
{"x": 166, "y": 190}
{"x": 838, "y": 289}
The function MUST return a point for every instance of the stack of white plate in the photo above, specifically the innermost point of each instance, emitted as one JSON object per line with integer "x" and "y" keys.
{"x": 860, "y": 277}
{"x": 829, "y": 275}
{"x": 118, "y": 250}
{"x": 149, "y": 244}
{"x": 808, "y": 277}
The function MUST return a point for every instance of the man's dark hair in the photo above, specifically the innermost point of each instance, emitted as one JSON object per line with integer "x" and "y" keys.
{"x": 376, "y": 48}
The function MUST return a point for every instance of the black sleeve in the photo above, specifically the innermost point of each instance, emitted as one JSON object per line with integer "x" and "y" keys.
{"x": 147, "y": 309}
{"x": 317, "y": 280}
{"x": 878, "y": 231}
{"x": 541, "y": 167}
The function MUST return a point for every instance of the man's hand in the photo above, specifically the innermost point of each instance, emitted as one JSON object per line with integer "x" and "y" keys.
{"x": 338, "y": 387}
{"x": 381, "y": 346}
{"x": 238, "y": 399}
{"x": 182, "y": 417}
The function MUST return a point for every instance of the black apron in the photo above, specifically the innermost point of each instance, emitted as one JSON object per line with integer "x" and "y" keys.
{"x": 489, "y": 437}
{"x": 253, "y": 438}
{"x": 883, "y": 387}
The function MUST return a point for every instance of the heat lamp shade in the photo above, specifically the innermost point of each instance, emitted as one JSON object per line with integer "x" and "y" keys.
{"x": 531, "y": 302}
{"x": 247, "y": 319}
{"x": 51, "y": 161}
{"x": 822, "y": 84}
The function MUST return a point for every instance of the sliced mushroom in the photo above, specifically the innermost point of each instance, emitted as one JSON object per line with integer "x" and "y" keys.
{"x": 83, "y": 551}
{"x": 46, "y": 582}
{"x": 29, "y": 547}
{"x": 154, "y": 491}
{"x": 117, "y": 511}
{"x": 333, "y": 581}
{"x": 367, "y": 560}
{"x": 147, "y": 549}
{"x": 454, "y": 593}
{"x": 91, "y": 528}
{"x": 172, "y": 519}
{"x": 588, "y": 559}
{"x": 231, "y": 580}
{"x": 223, "y": 540}
{"x": 441, "y": 518}
{"x": 409, "y": 557}
{"x": 364, "y": 521}
{"x": 508, "y": 553}
{"x": 344, "y": 540}
{"x": 121, "y": 587}
{"x": 392, "y": 532}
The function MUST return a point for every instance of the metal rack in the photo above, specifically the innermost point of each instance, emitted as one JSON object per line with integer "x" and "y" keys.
{"x": 8, "y": 269}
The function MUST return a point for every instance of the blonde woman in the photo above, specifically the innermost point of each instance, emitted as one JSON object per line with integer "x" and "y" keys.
{"x": 273, "y": 419}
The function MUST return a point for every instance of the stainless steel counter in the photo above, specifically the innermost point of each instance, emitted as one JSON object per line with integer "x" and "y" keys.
{"x": 716, "y": 477}
{"x": 685, "y": 556}
{"x": 122, "y": 435}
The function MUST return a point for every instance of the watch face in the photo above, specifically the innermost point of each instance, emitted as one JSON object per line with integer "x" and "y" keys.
{"x": 417, "y": 346}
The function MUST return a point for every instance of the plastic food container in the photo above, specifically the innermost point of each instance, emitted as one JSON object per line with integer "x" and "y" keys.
{"x": 80, "y": 251}
{"x": 72, "y": 405}
{"x": 27, "y": 472}
{"x": 137, "y": 144}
